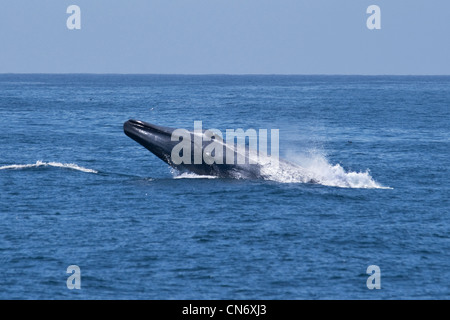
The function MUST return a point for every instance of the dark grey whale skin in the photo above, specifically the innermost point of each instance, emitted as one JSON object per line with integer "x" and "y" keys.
{"x": 157, "y": 140}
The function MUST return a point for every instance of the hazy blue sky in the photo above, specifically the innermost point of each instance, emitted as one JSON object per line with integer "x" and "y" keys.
{"x": 226, "y": 36}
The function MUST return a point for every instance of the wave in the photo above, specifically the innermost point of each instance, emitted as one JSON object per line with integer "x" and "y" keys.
{"x": 315, "y": 168}
{"x": 72, "y": 166}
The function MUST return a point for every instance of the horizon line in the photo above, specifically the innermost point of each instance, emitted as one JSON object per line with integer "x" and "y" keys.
{"x": 227, "y": 74}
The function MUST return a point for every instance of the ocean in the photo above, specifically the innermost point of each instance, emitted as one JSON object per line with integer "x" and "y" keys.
{"x": 75, "y": 190}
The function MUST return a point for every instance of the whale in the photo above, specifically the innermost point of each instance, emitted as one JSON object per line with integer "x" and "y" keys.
{"x": 160, "y": 141}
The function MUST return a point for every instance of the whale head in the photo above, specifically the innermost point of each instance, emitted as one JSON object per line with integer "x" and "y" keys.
{"x": 154, "y": 138}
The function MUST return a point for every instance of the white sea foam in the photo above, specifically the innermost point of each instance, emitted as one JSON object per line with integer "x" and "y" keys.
{"x": 48, "y": 164}
{"x": 315, "y": 168}
{"x": 190, "y": 175}
{"x": 312, "y": 167}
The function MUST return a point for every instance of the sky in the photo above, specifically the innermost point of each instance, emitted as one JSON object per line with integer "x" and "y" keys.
{"x": 226, "y": 37}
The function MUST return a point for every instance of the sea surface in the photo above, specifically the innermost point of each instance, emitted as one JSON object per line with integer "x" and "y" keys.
{"x": 74, "y": 190}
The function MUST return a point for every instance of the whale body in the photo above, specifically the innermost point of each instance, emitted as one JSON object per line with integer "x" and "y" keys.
{"x": 158, "y": 140}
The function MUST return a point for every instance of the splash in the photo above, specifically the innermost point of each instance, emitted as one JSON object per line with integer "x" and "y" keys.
{"x": 312, "y": 167}
{"x": 315, "y": 168}
{"x": 48, "y": 164}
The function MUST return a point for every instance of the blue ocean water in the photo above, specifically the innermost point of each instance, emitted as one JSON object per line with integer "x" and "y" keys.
{"x": 76, "y": 191}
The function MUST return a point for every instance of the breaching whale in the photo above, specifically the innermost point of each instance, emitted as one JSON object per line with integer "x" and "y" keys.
{"x": 159, "y": 140}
